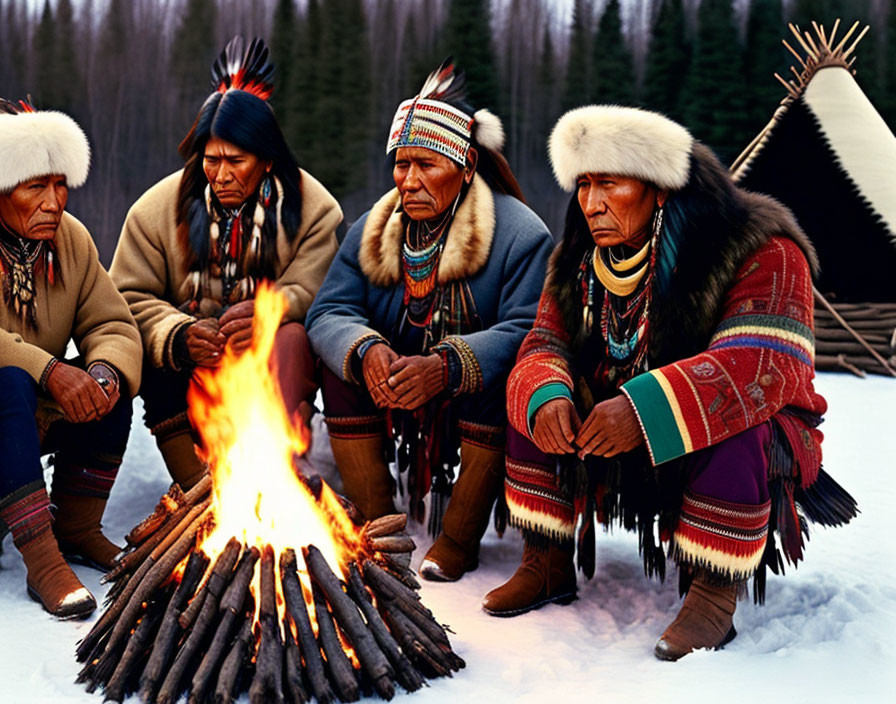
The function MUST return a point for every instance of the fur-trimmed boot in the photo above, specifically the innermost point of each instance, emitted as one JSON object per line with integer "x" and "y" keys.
{"x": 706, "y": 620}
{"x": 50, "y": 580}
{"x": 456, "y": 550}
{"x": 179, "y": 452}
{"x": 366, "y": 479}
{"x": 545, "y": 576}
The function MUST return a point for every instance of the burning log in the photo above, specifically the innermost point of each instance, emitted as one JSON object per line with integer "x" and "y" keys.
{"x": 295, "y": 602}
{"x": 166, "y": 639}
{"x": 346, "y": 613}
{"x": 218, "y": 580}
{"x": 386, "y": 525}
{"x": 232, "y": 604}
{"x": 240, "y": 653}
{"x": 267, "y": 684}
{"x": 292, "y": 663}
{"x": 342, "y": 672}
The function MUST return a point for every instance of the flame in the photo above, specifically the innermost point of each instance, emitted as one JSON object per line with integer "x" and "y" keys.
{"x": 250, "y": 443}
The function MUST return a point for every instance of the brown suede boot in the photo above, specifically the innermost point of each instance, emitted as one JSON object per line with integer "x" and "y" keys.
{"x": 456, "y": 550}
{"x": 50, "y": 580}
{"x": 366, "y": 479}
{"x": 179, "y": 453}
{"x": 78, "y": 530}
{"x": 545, "y": 576}
{"x": 706, "y": 620}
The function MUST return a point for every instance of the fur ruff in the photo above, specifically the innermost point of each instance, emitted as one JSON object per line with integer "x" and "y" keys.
{"x": 467, "y": 245}
{"x": 711, "y": 227}
{"x": 622, "y": 141}
{"x": 34, "y": 144}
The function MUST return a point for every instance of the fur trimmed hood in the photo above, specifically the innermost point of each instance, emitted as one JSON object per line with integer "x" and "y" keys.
{"x": 34, "y": 144}
{"x": 623, "y": 141}
{"x": 710, "y": 228}
{"x": 467, "y": 244}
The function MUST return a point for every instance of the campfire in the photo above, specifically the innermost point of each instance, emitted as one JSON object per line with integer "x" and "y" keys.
{"x": 197, "y": 603}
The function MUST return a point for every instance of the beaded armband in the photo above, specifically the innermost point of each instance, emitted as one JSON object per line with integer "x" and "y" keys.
{"x": 355, "y": 354}
{"x": 51, "y": 365}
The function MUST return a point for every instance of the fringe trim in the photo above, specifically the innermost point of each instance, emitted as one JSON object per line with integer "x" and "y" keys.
{"x": 726, "y": 567}
{"x": 556, "y": 528}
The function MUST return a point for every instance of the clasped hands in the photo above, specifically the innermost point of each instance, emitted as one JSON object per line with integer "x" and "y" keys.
{"x": 395, "y": 381}
{"x": 206, "y": 338}
{"x": 610, "y": 429}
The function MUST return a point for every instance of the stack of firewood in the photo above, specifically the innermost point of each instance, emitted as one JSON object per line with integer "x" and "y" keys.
{"x": 856, "y": 337}
{"x": 199, "y": 631}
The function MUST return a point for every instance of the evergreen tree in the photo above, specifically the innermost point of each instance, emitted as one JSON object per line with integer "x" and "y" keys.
{"x": 193, "y": 48}
{"x": 714, "y": 95}
{"x": 614, "y": 75}
{"x": 578, "y": 68}
{"x": 668, "y": 58}
{"x": 70, "y": 88}
{"x": 469, "y": 40}
{"x": 302, "y": 133}
{"x": 765, "y": 56}
{"x": 43, "y": 47}
{"x": 13, "y": 67}
{"x": 283, "y": 46}
{"x": 547, "y": 85}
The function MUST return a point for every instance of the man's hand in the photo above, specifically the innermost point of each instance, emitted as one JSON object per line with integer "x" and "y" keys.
{"x": 80, "y": 395}
{"x": 611, "y": 427}
{"x": 375, "y": 368}
{"x": 204, "y": 342}
{"x": 556, "y": 424}
{"x": 236, "y": 325}
{"x": 108, "y": 381}
{"x": 415, "y": 380}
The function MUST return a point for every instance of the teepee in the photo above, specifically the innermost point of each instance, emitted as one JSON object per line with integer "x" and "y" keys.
{"x": 828, "y": 155}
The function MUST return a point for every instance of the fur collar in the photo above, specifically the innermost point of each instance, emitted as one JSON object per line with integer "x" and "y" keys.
{"x": 467, "y": 245}
{"x": 710, "y": 228}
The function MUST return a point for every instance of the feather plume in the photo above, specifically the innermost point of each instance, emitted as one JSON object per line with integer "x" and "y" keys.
{"x": 445, "y": 84}
{"x": 249, "y": 70}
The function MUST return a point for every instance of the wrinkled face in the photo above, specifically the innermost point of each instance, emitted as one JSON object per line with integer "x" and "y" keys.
{"x": 34, "y": 208}
{"x": 428, "y": 182}
{"x": 618, "y": 209}
{"x": 233, "y": 173}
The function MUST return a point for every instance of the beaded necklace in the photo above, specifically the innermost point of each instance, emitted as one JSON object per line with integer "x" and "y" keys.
{"x": 624, "y": 318}
{"x": 20, "y": 259}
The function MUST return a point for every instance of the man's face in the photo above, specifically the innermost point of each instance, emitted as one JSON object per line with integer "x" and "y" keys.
{"x": 34, "y": 208}
{"x": 234, "y": 174}
{"x": 428, "y": 182}
{"x": 618, "y": 208}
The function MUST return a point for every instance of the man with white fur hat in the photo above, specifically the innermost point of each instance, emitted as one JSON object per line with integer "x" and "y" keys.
{"x": 667, "y": 382}
{"x": 54, "y": 290}
{"x": 419, "y": 319}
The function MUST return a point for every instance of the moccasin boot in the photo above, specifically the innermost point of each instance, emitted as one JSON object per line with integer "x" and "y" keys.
{"x": 179, "y": 453}
{"x": 706, "y": 620}
{"x": 78, "y": 531}
{"x": 50, "y": 580}
{"x": 366, "y": 479}
{"x": 456, "y": 550}
{"x": 544, "y": 577}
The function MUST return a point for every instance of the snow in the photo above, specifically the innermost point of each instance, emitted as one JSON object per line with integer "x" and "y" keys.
{"x": 821, "y": 636}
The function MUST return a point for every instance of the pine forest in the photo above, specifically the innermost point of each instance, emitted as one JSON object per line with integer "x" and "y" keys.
{"x": 134, "y": 73}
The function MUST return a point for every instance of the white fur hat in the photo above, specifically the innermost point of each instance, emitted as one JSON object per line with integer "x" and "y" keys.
{"x": 40, "y": 143}
{"x": 623, "y": 141}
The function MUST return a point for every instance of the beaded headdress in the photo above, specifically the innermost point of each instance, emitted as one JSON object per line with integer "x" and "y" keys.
{"x": 434, "y": 118}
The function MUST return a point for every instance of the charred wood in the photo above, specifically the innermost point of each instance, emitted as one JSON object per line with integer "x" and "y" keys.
{"x": 220, "y": 576}
{"x": 267, "y": 685}
{"x": 170, "y": 630}
{"x": 342, "y": 673}
{"x": 240, "y": 652}
{"x": 298, "y": 611}
{"x": 386, "y": 525}
{"x": 292, "y": 668}
{"x": 345, "y": 611}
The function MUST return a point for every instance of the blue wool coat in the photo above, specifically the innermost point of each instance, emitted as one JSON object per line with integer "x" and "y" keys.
{"x": 495, "y": 243}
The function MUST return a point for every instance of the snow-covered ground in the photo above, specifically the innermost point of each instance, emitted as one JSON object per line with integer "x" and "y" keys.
{"x": 824, "y": 634}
